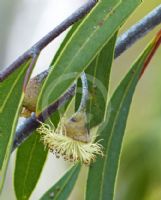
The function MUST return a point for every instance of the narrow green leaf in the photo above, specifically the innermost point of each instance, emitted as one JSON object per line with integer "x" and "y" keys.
{"x": 102, "y": 174}
{"x": 62, "y": 189}
{"x": 11, "y": 98}
{"x": 89, "y": 38}
{"x": 98, "y": 80}
{"x": 30, "y": 160}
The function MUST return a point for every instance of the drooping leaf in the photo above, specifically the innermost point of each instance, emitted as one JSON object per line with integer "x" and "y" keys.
{"x": 30, "y": 160}
{"x": 62, "y": 189}
{"x": 98, "y": 73}
{"x": 89, "y": 38}
{"x": 101, "y": 186}
{"x": 10, "y": 101}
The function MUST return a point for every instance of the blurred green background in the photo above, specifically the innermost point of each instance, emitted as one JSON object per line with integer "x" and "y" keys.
{"x": 139, "y": 177}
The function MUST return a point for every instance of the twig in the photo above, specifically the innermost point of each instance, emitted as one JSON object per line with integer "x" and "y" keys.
{"x": 138, "y": 30}
{"x": 29, "y": 71}
{"x": 42, "y": 43}
{"x": 126, "y": 40}
{"x": 84, "y": 98}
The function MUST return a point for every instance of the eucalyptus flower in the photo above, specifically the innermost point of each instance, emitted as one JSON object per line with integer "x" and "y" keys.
{"x": 71, "y": 139}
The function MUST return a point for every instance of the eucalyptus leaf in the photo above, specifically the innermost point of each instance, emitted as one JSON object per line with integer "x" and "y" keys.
{"x": 87, "y": 41}
{"x": 102, "y": 174}
{"x": 30, "y": 160}
{"x": 98, "y": 73}
{"x": 62, "y": 189}
{"x": 11, "y": 93}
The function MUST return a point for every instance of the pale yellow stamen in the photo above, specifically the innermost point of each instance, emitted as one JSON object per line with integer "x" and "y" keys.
{"x": 71, "y": 149}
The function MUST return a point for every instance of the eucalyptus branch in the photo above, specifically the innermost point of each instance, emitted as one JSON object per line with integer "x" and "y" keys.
{"x": 126, "y": 40}
{"x": 137, "y": 31}
{"x": 42, "y": 43}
